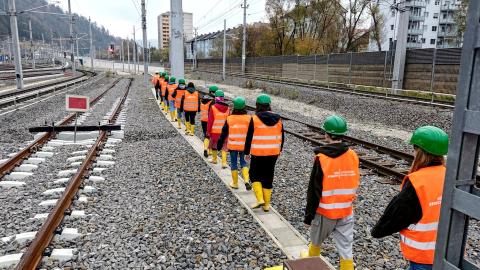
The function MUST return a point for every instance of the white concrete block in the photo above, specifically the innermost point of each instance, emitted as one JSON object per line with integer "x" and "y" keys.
{"x": 26, "y": 168}
{"x": 53, "y": 191}
{"x": 94, "y": 179}
{"x": 113, "y": 140}
{"x": 89, "y": 189}
{"x": 41, "y": 216}
{"x": 47, "y": 148}
{"x": 78, "y": 213}
{"x": 105, "y": 163}
{"x": 34, "y": 160}
{"x": 79, "y": 153}
{"x": 8, "y": 239}
{"x": 109, "y": 145}
{"x": 43, "y": 154}
{"x": 83, "y": 199}
{"x": 65, "y": 173}
{"x": 61, "y": 180}
{"x": 75, "y": 164}
{"x": 118, "y": 134}
{"x": 108, "y": 151}
{"x": 63, "y": 254}
{"x": 10, "y": 184}
{"x": 11, "y": 154}
{"x": 69, "y": 234}
{"x": 10, "y": 260}
{"x": 18, "y": 175}
{"x": 105, "y": 157}
{"x": 75, "y": 158}
{"x": 24, "y": 237}
{"x": 48, "y": 202}
{"x": 3, "y": 160}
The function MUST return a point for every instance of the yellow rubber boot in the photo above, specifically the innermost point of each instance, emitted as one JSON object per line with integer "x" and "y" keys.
{"x": 279, "y": 267}
{"x": 257, "y": 189}
{"x": 192, "y": 130}
{"x": 234, "y": 183}
{"x": 179, "y": 121}
{"x": 172, "y": 116}
{"x": 187, "y": 128}
{"x": 313, "y": 251}
{"x": 267, "y": 195}
{"x": 246, "y": 178}
{"x": 175, "y": 114}
{"x": 206, "y": 151}
{"x": 346, "y": 264}
{"x": 224, "y": 159}
{"x": 214, "y": 157}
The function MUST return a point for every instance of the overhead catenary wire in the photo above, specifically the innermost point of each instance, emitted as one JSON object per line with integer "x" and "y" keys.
{"x": 221, "y": 16}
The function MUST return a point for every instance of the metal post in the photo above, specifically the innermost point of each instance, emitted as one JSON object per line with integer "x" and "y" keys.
{"x": 385, "y": 68}
{"x": 400, "y": 49}
{"x": 76, "y": 42}
{"x": 32, "y": 52}
{"x": 296, "y": 72}
{"x": 315, "y": 67}
{"x": 328, "y": 74}
{"x": 75, "y": 129}
{"x": 92, "y": 50}
{"x": 16, "y": 44}
{"x": 134, "y": 52}
{"x": 176, "y": 38}
{"x": 244, "y": 38}
{"x": 194, "y": 58}
{"x": 224, "y": 47}
{"x": 128, "y": 54}
{"x": 145, "y": 48}
{"x": 72, "y": 57}
{"x": 122, "y": 55}
{"x": 432, "y": 79}
{"x": 350, "y": 71}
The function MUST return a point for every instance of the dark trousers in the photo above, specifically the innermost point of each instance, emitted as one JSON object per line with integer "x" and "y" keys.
{"x": 204, "y": 128}
{"x": 157, "y": 92}
{"x": 262, "y": 169}
{"x": 190, "y": 117}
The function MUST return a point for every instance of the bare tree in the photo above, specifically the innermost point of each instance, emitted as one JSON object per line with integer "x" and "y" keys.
{"x": 353, "y": 18}
{"x": 378, "y": 22}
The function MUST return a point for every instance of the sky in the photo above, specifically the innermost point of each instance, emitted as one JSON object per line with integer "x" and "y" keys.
{"x": 119, "y": 16}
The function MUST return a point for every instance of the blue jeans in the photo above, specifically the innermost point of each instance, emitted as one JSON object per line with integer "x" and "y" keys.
{"x": 418, "y": 266}
{"x": 179, "y": 114}
{"x": 171, "y": 105}
{"x": 234, "y": 155}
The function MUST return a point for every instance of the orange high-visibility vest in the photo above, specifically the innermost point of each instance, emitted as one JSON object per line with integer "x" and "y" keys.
{"x": 267, "y": 140}
{"x": 219, "y": 119}
{"x": 204, "y": 111}
{"x": 163, "y": 87}
{"x": 418, "y": 240}
{"x": 237, "y": 131}
{"x": 178, "y": 98}
{"x": 341, "y": 178}
{"x": 190, "y": 103}
{"x": 170, "y": 89}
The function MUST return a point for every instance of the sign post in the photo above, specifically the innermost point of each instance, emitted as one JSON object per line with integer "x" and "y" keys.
{"x": 76, "y": 104}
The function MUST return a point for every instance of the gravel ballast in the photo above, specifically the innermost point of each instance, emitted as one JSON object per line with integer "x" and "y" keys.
{"x": 161, "y": 207}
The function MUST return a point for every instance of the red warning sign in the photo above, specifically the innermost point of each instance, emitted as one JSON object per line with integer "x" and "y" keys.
{"x": 77, "y": 103}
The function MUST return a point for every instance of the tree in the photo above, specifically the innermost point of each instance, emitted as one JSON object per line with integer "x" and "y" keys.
{"x": 353, "y": 18}
{"x": 378, "y": 22}
{"x": 460, "y": 17}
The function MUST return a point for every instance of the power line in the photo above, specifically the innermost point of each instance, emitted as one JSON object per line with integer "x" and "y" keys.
{"x": 221, "y": 15}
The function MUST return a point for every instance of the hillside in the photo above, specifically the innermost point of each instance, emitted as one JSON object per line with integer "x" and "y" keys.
{"x": 44, "y": 23}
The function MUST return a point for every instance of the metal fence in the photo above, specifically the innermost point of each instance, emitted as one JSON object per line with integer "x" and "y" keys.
{"x": 425, "y": 69}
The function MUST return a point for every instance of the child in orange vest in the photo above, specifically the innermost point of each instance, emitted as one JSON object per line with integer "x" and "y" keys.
{"x": 190, "y": 105}
{"x": 217, "y": 116}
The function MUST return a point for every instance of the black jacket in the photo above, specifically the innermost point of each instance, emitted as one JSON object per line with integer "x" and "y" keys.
{"x": 191, "y": 91}
{"x": 315, "y": 186}
{"x": 404, "y": 209}
{"x": 269, "y": 119}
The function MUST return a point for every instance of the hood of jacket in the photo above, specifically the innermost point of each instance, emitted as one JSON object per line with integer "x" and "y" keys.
{"x": 332, "y": 150}
{"x": 221, "y": 106}
{"x": 268, "y": 118}
{"x": 206, "y": 98}
{"x": 191, "y": 90}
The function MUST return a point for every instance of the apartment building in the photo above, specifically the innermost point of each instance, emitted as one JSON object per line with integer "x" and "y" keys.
{"x": 163, "y": 23}
{"x": 431, "y": 23}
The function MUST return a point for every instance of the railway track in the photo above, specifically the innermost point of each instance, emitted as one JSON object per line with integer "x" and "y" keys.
{"x": 14, "y": 97}
{"x": 36, "y": 145}
{"x": 345, "y": 90}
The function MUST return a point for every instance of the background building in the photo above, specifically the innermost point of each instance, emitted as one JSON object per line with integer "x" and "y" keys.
{"x": 431, "y": 24}
{"x": 163, "y": 21}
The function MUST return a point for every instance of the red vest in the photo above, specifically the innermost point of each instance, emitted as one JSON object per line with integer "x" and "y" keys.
{"x": 219, "y": 119}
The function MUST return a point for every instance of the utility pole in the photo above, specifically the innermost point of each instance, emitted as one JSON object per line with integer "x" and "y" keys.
{"x": 16, "y": 44}
{"x": 224, "y": 47}
{"x": 52, "y": 48}
{"x": 145, "y": 45}
{"x": 244, "y": 38}
{"x": 149, "y": 53}
{"x": 400, "y": 49}
{"x": 72, "y": 57}
{"x": 92, "y": 50}
{"x": 128, "y": 54}
{"x": 134, "y": 52}
{"x": 176, "y": 38}
{"x": 76, "y": 41}
{"x": 123, "y": 56}
{"x": 194, "y": 60}
{"x": 32, "y": 52}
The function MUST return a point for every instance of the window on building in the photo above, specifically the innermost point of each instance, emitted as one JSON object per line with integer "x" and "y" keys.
{"x": 425, "y": 14}
{"x": 391, "y": 27}
{"x": 432, "y": 41}
{"x": 435, "y": 15}
{"x": 427, "y": 2}
{"x": 434, "y": 28}
{"x": 437, "y": 2}
{"x": 445, "y": 15}
{"x": 423, "y": 40}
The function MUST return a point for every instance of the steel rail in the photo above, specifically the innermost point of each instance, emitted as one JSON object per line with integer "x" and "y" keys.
{"x": 14, "y": 161}
{"x": 32, "y": 257}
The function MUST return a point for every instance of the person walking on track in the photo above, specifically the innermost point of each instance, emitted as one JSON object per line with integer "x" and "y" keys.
{"x": 264, "y": 143}
{"x": 178, "y": 95}
{"x": 332, "y": 189}
{"x": 217, "y": 116}
{"x": 163, "y": 93}
{"x": 415, "y": 211}
{"x": 235, "y": 133}
{"x": 190, "y": 104}
{"x": 206, "y": 103}
{"x": 171, "y": 100}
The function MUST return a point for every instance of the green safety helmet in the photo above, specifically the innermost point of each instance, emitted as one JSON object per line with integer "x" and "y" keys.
{"x": 164, "y": 73}
{"x": 172, "y": 79}
{"x": 166, "y": 78}
{"x": 219, "y": 93}
{"x": 181, "y": 81}
{"x": 264, "y": 99}
{"x": 335, "y": 125}
{"x": 432, "y": 140}
{"x": 213, "y": 89}
{"x": 239, "y": 103}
